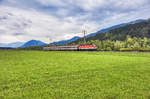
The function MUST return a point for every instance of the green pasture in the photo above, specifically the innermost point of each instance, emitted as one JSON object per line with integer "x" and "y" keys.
{"x": 74, "y": 75}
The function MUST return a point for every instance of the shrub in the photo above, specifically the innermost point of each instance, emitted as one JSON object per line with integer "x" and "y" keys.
{"x": 108, "y": 49}
{"x": 128, "y": 49}
{"x": 144, "y": 49}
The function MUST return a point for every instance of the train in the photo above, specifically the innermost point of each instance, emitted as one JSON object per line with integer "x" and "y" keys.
{"x": 71, "y": 48}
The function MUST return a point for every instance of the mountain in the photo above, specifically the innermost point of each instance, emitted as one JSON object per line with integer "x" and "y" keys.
{"x": 33, "y": 43}
{"x": 94, "y": 34}
{"x": 115, "y": 26}
{"x": 113, "y": 31}
{"x": 138, "y": 29}
{"x": 66, "y": 41}
{"x": 12, "y": 45}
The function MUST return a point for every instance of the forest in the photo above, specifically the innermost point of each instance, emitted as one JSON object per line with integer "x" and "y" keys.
{"x": 132, "y": 37}
{"x": 129, "y": 44}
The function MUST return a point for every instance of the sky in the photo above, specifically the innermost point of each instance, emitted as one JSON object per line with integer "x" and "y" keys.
{"x": 54, "y": 20}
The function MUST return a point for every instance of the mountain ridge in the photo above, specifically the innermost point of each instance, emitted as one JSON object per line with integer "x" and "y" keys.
{"x": 66, "y": 41}
{"x": 140, "y": 29}
{"x": 12, "y": 45}
{"x": 100, "y": 31}
{"x": 115, "y": 26}
{"x": 73, "y": 39}
{"x": 33, "y": 43}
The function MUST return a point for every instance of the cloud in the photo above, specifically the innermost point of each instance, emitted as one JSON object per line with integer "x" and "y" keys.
{"x": 91, "y": 5}
{"x": 52, "y": 2}
{"x": 23, "y": 20}
{"x": 27, "y": 25}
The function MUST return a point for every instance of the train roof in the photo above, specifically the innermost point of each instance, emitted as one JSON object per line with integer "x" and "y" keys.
{"x": 80, "y": 46}
{"x": 62, "y": 46}
{"x": 87, "y": 46}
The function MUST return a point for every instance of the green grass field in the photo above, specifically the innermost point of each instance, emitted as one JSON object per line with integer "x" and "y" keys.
{"x": 74, "y": 75}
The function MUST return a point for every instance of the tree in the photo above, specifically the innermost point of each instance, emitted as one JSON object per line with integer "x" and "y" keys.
{"x": 118, "y": 45}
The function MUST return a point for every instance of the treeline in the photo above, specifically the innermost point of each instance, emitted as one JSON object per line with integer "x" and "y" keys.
{"x": 129, "y": 44}
{"x": 31, "y": 48}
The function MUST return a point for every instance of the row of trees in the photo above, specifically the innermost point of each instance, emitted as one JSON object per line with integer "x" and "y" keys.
{"x": 130, "y": 44}
{"x": 31, "y": 48}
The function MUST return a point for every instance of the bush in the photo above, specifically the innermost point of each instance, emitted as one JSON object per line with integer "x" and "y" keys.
{"x": 108, "y": 49}
{"x": 135, "y": 49}
{"x": 144, "y": 49}
{"x": 128, "y": 49}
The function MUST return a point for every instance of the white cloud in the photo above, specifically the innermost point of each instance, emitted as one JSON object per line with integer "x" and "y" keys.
{"x": 36, "y": 25}
{"x": 106, "y": 4}
{"x": 63, "y": 19}
{"x": 91, "y": 5}
{"x": 52, "y": 2}
{"x": 127, "y": 4}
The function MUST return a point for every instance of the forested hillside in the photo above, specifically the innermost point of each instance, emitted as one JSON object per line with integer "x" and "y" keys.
{"x": 132, "y": 37}
{"x": 139, "y": 30}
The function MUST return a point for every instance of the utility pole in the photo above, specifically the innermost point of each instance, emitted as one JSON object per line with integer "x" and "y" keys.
{"x": 50, "y": 41}
{"x": 84, "y": 33}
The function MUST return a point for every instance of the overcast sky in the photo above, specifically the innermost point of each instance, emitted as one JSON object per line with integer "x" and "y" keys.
{"x": 23, "y": 20}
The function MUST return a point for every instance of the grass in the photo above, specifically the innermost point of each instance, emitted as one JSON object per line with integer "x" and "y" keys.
{"x": 74, "y": 75}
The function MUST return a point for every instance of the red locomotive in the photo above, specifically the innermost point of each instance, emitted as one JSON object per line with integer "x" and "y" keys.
{"x": 71, "y": 48}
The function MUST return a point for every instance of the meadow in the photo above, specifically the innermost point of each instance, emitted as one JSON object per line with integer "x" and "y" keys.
{"x": 74, "y": 75}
